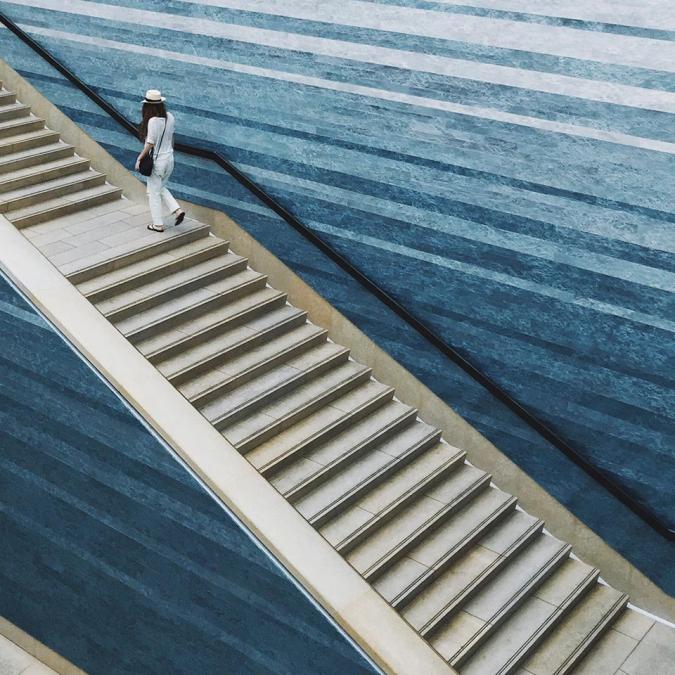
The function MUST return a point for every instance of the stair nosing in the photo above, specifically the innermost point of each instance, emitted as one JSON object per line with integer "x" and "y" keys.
{"x": 155, "y": 299}
{"x": 318, "y": 436}
{"x": 466, "y": 593}
{"x": 277, "y": 390}
{"x": 515, "y": 601}
{"x": 353, "y": 539}
{"x": 584, "y": 586}
{"x": 67, "y": 205}
{"x": 592, "y": 637}
{"x": 412, "y": 590}
{"x": 330, "y": 511}
{"x": 263, "y": 336}
{"x": 139, "y": 333}
{"x": 428, "y": 526}
{"x": 91, "y": 176}
{"x": 376, "y": 438}
{"x": 79, "y": 276}
{"x": 104, "y": 292}
{"x": 335, "y": 392}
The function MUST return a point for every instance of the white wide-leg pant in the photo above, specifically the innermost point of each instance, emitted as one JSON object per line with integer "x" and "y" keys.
{"x": 158, "y": 195}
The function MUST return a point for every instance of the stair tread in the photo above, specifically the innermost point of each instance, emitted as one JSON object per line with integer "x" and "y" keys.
{"x": 19, "y": 121}
{"x": 369, "y": 506}
{"x": 574, "y": 630}
{"x": 158, "y": 286}
{"x": 427, "y": 554}
{"x": 221, "y": 342}
{"x": 497, "y": 595}
{"x": 37, "y": 188}
{"x": 192, "y": 326}
{"x": 55, "y": 203}
{"x": 367, "y": 430}
{"x": 14, "y": 110}
{"x": 36, "y": 170}
{"x": 298, "y": 339}
{"x": 261, "y": 386}
{"x": 148, "y": 264}
{"x": 8, "y": 141}
{"x": 461, "y": 484}
{"x": 42, "y": 150}
{"x": 356, "y": 472}
{"x": 117, "y": 255}
{"x": 316, "y": 424}
{"x": 509, "y": 644}
{"x": 469, "y": 567}
{"x": 313, "y": 390}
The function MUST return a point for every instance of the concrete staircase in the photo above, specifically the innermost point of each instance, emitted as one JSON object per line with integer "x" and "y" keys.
{"x": 476, "y": 576}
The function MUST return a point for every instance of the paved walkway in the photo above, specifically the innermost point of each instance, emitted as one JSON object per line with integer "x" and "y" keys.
{"x": 15, "y": 661}
{"x": 87, "y": 237}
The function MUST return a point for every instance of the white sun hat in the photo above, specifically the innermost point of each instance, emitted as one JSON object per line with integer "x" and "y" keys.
{"x": 153, "y": 96}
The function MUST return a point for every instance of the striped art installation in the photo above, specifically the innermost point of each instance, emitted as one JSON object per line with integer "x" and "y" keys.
{"x": 503, "y": 168}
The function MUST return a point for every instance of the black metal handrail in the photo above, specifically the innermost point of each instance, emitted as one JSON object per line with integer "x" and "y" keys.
{"x": 450, "y": 352}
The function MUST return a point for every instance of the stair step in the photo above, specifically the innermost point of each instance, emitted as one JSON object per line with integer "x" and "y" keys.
{"x": 34, "y": 157}
{"x": 299, "y": 404}
{"x": 424, "y": 563}
{"x": 171, "y": 239}
{"x": 347, "y": 522}
{"x": 468, "y": 572}
{"x": 235, "y": 404}
{"x": 568, "y": 643}
{"x": 241, "y": 369}
{"x": 208, "y": 355}
{"x": 156, "y": 293}
{"x": 20, "y": 125}
{"x": 12, "y": 111}
{"x": 290, "y": 446}
{"x": 458, "y": 637}
{"x": 27, "y": 141}
{"x": 41, "y": 192}
{"x": 7, "y": 97}
{"x": 330, "y": 460}
{"x": 33, "y": 175}
{"x": 143, "y": 272}
{"x": 511, "y": 643}
{"x": 61, "y": 206}
{"x": 190, "y": 308}
{"x": 417, "y": 521}
{"x": 355, "y": 473}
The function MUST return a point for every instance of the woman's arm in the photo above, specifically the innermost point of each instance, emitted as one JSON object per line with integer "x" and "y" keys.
{"x": 147, "y": 149}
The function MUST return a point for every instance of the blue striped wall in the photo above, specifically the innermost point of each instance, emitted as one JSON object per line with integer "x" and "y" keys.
{"x": 503, "y": 171}
{"x": 112, "y": 554}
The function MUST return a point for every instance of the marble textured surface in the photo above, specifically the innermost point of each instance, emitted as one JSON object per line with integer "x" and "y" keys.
{"x": 111, "y": 554}
{"x": 503, "y": 170}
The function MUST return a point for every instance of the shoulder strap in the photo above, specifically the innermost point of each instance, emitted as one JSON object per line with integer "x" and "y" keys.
{"x": 159, "y": 145}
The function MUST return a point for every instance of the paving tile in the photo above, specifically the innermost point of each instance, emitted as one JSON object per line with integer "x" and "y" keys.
{"x": 42, "y": 238}
{"x": 654, "y": 655}
{"x": 37, "y": 668}
{"x": 79, "y": 253}
{"x": 55, "y": 247}
{"x": 13, "y": 660}
{"x": 607, "y": 655}
{"x": 97, "y": 221}
{"x": 633, "y": 624}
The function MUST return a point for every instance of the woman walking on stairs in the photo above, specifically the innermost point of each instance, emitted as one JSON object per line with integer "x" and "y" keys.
{"x": 156, "y": 131}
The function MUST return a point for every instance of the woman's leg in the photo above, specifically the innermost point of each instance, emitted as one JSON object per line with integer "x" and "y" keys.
{"x": 154, "y": 187}
{"x": 167, "y": 198}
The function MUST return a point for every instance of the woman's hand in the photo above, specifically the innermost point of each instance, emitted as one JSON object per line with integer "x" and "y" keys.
{"x": 138, "y": 163}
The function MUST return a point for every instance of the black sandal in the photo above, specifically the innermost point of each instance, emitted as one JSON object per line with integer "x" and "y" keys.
{"x": 155, "y": 229}
{"x": 179, "y": 218}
